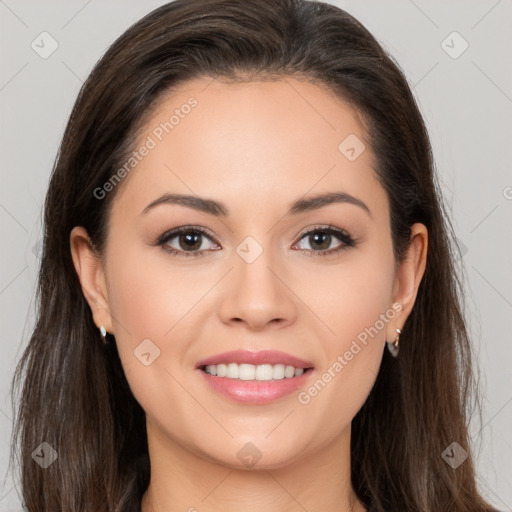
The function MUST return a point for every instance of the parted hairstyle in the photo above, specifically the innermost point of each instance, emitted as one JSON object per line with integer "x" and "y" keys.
{"x": 72, "y": 391}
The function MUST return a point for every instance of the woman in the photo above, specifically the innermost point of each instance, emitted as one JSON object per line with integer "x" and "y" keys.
{"x": 193, "y": 351}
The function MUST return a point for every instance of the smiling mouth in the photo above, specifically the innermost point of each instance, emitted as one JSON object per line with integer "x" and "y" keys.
{"x": 250, "y": 372}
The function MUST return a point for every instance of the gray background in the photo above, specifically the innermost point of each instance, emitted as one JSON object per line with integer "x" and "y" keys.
{"x": 467, "y": 104}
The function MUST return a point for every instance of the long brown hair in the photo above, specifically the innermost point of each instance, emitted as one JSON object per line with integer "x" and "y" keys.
{"x": 75, "y": 396}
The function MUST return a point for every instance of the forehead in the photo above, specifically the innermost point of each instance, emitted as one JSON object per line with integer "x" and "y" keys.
{"x": 271, "y": 140}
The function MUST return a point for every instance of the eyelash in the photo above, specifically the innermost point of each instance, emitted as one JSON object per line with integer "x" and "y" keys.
{"x": 342, "y": 235}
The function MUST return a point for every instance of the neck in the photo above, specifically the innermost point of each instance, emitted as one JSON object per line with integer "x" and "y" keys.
{"x": 184, "y": 481}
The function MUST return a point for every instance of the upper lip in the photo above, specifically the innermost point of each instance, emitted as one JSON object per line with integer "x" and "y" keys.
{"x": 256, "y": 358}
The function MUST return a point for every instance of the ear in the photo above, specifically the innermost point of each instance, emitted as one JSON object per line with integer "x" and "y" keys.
{"x": 89, "y": 268}
{"x": 408, "y": 277}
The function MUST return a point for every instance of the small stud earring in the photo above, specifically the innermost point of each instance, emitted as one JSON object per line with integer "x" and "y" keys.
{"x": 103, "y": 334}
{"x": 393, "y": 345}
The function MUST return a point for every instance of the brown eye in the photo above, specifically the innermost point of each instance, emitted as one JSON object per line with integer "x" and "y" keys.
{"x": 189, "y": 242}
{"x": 186, "y": 241}
{"x": 320, "y": 240}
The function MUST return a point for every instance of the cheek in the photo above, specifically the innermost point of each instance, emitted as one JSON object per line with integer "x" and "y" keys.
{"x": 149, "y": 299}
{"x": 149, "y": 294}
{"x": 349, "y": 297}
{"x": 354, "y": 304}
{"x": 152, "y": 299}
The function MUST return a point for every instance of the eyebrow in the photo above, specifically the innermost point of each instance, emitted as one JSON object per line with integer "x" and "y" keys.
{"x": 218, "y": 209}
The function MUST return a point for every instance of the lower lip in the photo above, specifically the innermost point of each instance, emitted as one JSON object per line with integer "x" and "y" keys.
{"x": 255, "y": 391}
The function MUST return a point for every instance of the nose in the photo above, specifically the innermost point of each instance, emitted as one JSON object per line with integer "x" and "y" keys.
{"x": 258, "y": 294}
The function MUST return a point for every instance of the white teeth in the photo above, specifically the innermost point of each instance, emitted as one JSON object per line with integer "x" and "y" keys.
{"x": 246, "y": 372}
{"x": 233, "y": 371}
{"x": 251, "y": 372}
{"x": 264, "y": 372}
{"x": 213, "y": 369}
{"x": 289, "y": 372}
{"x": 278, "y": 371}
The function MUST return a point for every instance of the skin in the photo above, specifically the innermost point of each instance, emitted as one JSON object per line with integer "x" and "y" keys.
{"x": 256, "y": 147}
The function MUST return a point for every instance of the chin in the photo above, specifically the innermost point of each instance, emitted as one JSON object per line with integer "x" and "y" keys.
{"x": 257, "y": 454}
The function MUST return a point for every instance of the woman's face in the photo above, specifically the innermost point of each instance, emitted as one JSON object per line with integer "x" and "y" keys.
{"x": 255, "y": 281}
